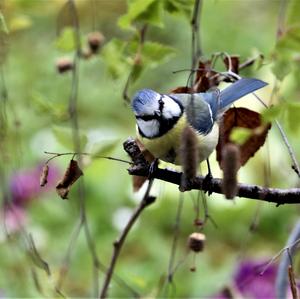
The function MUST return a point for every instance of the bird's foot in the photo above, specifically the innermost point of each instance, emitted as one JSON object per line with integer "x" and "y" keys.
{"x": 207, "y": 183}
{"x": 153, "y": 168}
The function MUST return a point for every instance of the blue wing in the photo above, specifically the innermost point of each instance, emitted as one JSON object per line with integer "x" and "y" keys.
{"x": 198, "y": 111}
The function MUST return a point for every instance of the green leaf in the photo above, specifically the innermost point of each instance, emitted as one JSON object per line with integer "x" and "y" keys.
{"x": 240, "y": 135}
{"x": 154, "y": 54}
{"x": 64, "y": 136}
{"x": 272, "y": 113}
{"x": 114, "y": 57}
{"x": 103, "y": 148}
{"x": 136, "y": 72}
{"x": 179, "y": 7}
{"x": 146, "y": 11}
{"x": 153, "y": 15}
{"x": 290, "y": 40}
{"x": 281, "y": 67}
{"x": 66, "y": 40}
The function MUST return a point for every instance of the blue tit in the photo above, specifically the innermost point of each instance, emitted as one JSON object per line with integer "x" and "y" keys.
{"x": 161, "y": 118}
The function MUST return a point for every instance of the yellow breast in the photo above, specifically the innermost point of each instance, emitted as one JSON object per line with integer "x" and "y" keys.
{"x": 167, "y": 146}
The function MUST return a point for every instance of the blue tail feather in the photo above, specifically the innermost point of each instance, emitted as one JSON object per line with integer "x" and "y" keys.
{"x": 239, "y": 89}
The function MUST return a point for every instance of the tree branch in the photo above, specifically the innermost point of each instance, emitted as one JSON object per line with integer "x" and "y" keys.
{"x": 275, "y": 195}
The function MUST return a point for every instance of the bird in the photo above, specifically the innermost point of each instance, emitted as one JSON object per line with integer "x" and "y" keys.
{"x": 161, "y": 118}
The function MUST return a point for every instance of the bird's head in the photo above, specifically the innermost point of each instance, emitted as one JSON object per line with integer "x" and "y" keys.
{"x": 155, "y": 113}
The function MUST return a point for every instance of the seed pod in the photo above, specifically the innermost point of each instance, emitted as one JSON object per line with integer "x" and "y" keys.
{"x": 189, "y": 157}
{"x": 196, "y": 241}
{"x": 44, "y": 175}
{"x": 64, "y": 64}
{"x": 230, "y": 166}
{"x": 95, "y": 41}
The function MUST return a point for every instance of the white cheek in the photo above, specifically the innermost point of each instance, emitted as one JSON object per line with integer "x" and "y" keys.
{"x": 150, "y": 128}
{"x": 171, "y": 108}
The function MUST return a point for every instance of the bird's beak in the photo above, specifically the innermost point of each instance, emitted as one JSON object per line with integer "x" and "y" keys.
{"x": 157, "y": 113}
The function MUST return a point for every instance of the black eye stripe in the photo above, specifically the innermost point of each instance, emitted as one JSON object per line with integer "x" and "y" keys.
{"x": 161, "y": 104}
{"x": 155, "y": 116}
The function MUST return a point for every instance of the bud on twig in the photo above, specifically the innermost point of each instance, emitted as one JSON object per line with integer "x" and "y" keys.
{"x": 64, "y": 64}
{"x": 196, "y": 242}
{"x": 95, "y": 41}
{"x": 44, "y": 175}
{"x": 230, "y": 166}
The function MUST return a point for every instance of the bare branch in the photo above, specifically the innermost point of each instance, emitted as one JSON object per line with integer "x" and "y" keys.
{"x": 275, "y": 195}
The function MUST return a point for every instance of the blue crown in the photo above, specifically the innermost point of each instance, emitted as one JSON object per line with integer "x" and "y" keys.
{"x": 142, "y": 98}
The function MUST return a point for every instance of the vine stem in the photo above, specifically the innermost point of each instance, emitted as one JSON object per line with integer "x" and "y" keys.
{"x": 118, "y": 244}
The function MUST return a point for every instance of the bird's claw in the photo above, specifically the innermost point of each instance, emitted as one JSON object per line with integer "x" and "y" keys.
{"x": 207, "y": 183}
{"x": 153, "y": 168}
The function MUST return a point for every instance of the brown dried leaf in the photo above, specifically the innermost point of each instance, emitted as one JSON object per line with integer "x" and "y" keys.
{"x": 138, "y": 181}
{"x": 181, "y": 89}
{"x": 44, "y": 175}
{"x": 245, "y": 118}
{"x": 72, "y": 174}
{"x": 235, "y": 63}
{"x": 206, "y": 78}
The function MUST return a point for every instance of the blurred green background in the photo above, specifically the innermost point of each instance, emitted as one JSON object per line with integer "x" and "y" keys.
{"x": 34, "y": 119}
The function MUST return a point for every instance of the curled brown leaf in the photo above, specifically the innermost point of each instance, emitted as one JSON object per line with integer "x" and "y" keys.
{"x": 244, "y": 118}
{"x": 72, "y": 174}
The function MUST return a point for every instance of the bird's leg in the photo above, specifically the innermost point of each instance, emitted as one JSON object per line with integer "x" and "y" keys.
{"x": 208, "y": 179}
{"x": 153, "y": 167}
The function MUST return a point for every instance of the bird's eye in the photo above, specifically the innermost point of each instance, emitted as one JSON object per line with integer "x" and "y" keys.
{"x": 161, "y": 104}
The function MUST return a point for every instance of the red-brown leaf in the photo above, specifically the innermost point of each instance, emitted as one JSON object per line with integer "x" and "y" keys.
{"x": 234, "y": 63}
{"x": 138, "y": 181}
{"x": 181, "y": 89}
{"x": 245, "y": 118}
{"x": 206, "y": 78}
{"x": 72, "y": 174}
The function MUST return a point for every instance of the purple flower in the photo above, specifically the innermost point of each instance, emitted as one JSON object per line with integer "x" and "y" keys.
{"x": 252, "y": 283}
{"x": 25, "y": 186}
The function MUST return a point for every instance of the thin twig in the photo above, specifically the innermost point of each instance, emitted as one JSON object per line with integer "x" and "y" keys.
{"x": 55, "y": 155}
{"x": 292, "y": 281}
{"x": 118, "y": 244}
{"x": 196, "y": 45}
{"x": 289, "y": 251}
